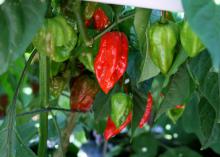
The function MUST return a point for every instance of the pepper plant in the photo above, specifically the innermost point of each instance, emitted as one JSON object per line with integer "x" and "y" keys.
{"x": 121, "y": 74}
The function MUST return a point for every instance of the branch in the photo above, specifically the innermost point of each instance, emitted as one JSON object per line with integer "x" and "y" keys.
{"x": 71, "y": 121}
{"x": 117, "y": 21}
{"x": 48, "y": 109}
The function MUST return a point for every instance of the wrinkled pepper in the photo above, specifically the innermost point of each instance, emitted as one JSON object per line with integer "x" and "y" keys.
{"x": 111, "y": 61}
{"x": 111, "y": 129}
{"x": 190, "y": 41}
{"x": 57, "y": 84}
{"x": 56, "y": 39}
{"x": 147, "y": 112}
{"x": 101, "y": 20}
{"x": 83, "y": 92}
{"x": 162, "y": 42}
{"x": 121, "y": 105}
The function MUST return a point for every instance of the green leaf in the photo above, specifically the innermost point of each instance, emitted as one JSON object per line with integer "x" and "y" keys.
{"x": 175, "y": 113}
{"x": 205, "y": 13}
{"x": 206, "y": 80}
{"x": 180, "y": 151}
{"x": 139, "y": 106}
{"x": 207, "y": 119}
{"x": 20, "y": 20}
{"x": 141, "y": 23}
{"x": 179, "y": 60}
{"x": 17, "y": 147}
{"x": 145, "y": 145}
{"x": 102, "y": 106}
{"x": 178, "y": 92}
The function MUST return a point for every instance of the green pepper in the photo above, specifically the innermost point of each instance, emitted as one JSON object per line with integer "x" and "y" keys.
{"x": 121, "y": 105}
{"x": 57, "y": 84}
{"x": 162, "y": 42}
{"x": 190, "y": 41}
{"x": 56, "y": 39}
{"x": 89, "y": 10}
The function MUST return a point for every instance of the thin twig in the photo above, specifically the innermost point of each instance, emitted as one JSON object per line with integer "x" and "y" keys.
{"x": 119, "y": 20}
{"x": 48, "y": 109}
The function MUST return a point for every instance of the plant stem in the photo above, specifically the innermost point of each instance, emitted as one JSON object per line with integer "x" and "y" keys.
{"x": 11, "y": 112}
{"x": 80, "y": 22}
{"x": 71, "y": 121}
{"x": 119, "y": 20}
{"x": 48, "y": 109}
{"x": 43, "y": 131}
{"x": 59, "y": 134}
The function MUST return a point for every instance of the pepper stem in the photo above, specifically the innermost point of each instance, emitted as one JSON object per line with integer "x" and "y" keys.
{"x": 163, "y": 18}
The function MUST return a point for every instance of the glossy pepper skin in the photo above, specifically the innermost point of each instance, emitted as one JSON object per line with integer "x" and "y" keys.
{"x": 111, "y": 129}
{"x": 190, "y": 41}
{"x": 83, "y": 92}
{"x": 56, "y": 39}
{"x": 101, "y": 20}
{"x": 121, "y": 105}
{"x": 162, "y": 42}
{"x": 111, "y": 60}
{"x": 147, "y": 112}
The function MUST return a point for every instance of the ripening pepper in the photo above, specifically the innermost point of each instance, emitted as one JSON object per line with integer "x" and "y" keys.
{"x": 162, "y": 42}
{"x": 111, "y": 61}
{"x": 56, "y": 39}
{"x": 147, "y": 112}
{"x": 175, "y": 113}
{"x": 57, "y": 84}
{"x": 121, "y": 105}
{"x": 89, "y": 10}
{"x": 101, "y": 20}
{"x": 190, "y": 41}
{"x": 111, "y": 129}
{"x": 83, "y": 92}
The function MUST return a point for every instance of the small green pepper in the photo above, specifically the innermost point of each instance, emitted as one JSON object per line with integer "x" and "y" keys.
{"x": 190, "y": 41}
{"x": 162, "y": 42}
{"x": 121, "y": 105}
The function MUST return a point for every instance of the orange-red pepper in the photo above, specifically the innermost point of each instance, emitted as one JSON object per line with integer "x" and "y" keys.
{"x": 147, "y": 112}
{"x": 111, "y": 60}
{"x": 111, "y": 130}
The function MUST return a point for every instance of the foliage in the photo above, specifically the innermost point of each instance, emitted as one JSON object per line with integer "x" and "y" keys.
{"x": 37, "y": 120}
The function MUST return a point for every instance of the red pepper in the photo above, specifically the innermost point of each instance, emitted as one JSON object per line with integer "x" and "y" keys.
{"x": 180, "y": 106}
{"x": 147, "y": 112}
{"x": 88, "y": 22}
{"x": 111, "y": 129}
{"x": 111, "y": 60}
{"x": 101, "y": 21}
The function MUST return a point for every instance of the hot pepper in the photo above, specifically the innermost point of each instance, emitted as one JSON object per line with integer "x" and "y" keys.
{"x": 147, "y": 112}
{"x": 83, "y": 92}
{"x": 111, "y": 60}
{"x": 101, "y": 20}
{"x": 121, "y": 105}
{"x": 190, "y": 41}
{"x": 56, "y": 39}
{"x": 162, "y": 42}
{"x": 111, "y": 130}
